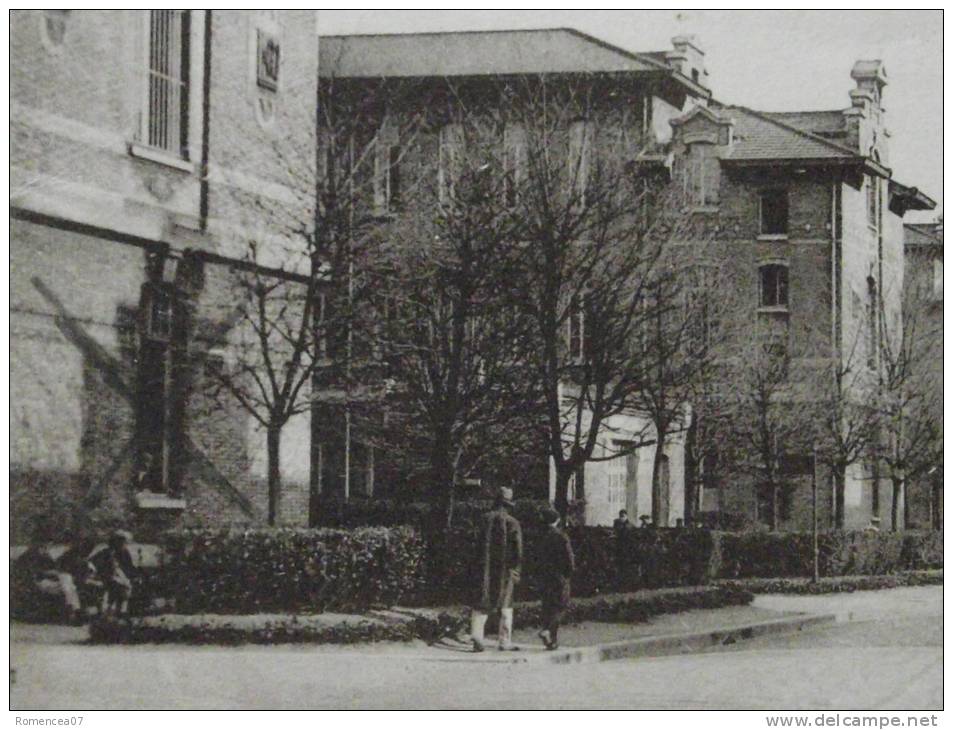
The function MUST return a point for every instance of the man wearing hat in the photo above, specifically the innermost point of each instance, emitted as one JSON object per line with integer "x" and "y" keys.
{"x": 501, "y": 560}
{"x": 554, "y": 579}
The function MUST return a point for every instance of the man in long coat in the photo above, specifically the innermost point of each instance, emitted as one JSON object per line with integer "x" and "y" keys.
{"x": 554, "y": 579}
{"x": 501, "y": 559}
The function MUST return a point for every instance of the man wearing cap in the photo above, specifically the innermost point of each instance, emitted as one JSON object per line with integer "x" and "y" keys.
{"x": 554, "y": 579}
{"x": 501, "y": 560}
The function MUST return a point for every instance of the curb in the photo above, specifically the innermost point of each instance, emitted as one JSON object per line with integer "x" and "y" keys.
{"x": 667, "y": 645}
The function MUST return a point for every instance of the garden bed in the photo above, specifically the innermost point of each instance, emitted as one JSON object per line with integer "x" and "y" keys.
{"x": 841, "y": 584}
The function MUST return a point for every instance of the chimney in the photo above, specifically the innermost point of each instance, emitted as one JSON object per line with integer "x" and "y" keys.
{"x": 688, "y": 59}
{"x": 865, "y": 115}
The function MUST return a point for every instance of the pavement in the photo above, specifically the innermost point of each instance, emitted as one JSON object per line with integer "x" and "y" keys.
{"x": 889, "y": 656}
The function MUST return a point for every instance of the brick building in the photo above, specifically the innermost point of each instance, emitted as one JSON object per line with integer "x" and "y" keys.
{"x": 806, "y": 220}
{"x": 629, "y": 96}
{"x": 923, "y": 301}
{"x": 138, "y": 140}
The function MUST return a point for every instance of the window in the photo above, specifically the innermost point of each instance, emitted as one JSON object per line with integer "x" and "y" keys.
{"x": 701, "y": 176}
{"x": 873, "y": 188}
{"x": 938, "y": 280}
{"x": 166, "y": 112}
{"x": 514, "y": 162}
{"x": 580, "y": 143}
{"x": 451, "y": 154}
{"x": 774, "y": 212}
{"x": 387, "y": 188}
{"x": 773, "y": 338}
{"x": 577, "y": 328}
{"x": 773, "y": 285}
{"x": 871, "y": 329}
{"x": 158, "y": 323}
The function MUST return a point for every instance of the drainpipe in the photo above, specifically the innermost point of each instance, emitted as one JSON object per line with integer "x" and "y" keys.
{"x": 836, "y": 330}
{"x": 206, "y": 113}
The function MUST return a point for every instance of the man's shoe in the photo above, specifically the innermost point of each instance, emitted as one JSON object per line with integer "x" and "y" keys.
{"x": 544, "y": 635}
{"x": 509, "y": 647}
{"x": 552, "y": 646}
{"x": 477, "y": 646}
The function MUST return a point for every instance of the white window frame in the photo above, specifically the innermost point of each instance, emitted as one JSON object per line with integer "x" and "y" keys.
{"x": 515, "y": 161}
{"x": 144, "y": 146}
{"x": 451, "y": 151}
{"x": 580, "y": 160}
{"x": 779, "y": 306}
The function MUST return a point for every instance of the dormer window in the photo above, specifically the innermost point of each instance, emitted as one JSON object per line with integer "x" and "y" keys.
{"x": 773, "y": 208}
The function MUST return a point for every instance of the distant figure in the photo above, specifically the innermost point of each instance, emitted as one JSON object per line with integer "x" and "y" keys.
{"x": 621, "y": 528}
{"x": 114, "y": 567}
{"x": 555, "y": 576}
{"x": 36, "y": 580}
{"x": 501, "y": 559}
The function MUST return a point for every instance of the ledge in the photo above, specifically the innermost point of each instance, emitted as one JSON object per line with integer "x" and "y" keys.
{"x": 772, "y": 236}
{"x": 160, "y": 157}
{"x": 153, "y": 501}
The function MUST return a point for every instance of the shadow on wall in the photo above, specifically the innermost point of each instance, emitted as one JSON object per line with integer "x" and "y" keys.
{"x": 108, "y": 442}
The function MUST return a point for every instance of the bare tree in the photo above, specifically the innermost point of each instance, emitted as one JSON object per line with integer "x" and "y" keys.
{"x": 912, "y": 436}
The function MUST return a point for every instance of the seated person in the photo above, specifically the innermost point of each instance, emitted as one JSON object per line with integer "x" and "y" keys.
{"x": 114, "y": 567}
{"x": 38, "y": 582}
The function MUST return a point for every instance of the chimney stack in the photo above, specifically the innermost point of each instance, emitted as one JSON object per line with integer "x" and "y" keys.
{"x": 864, "y": 117}
{"x": 688, "y": 59}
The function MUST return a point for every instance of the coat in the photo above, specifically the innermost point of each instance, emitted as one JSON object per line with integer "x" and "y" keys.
{"x": 501, "y": 559}
{"x": 557, "y": 568}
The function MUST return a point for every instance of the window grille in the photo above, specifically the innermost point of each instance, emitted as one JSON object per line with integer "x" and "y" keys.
{"x": 167, "y": 90}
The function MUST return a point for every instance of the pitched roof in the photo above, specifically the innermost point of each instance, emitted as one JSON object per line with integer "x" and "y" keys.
{"x": 478, "y": 53}
{"x": 922, "y": 234}
{"x": 761, "y": 136}
{"x": 829, "y": 124}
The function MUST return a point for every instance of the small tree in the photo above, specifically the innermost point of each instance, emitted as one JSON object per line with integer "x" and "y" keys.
{"x": 912, "y": 443}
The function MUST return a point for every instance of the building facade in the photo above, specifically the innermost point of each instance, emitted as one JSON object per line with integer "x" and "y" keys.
{"x": 805, "y": 221}
{"x": 138, "y": 139}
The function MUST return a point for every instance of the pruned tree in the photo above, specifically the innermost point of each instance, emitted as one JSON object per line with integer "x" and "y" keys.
{"x": 910, "y": 403}
{"x": 596, "y": 225}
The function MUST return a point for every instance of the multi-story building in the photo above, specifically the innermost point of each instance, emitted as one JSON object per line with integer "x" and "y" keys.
{"x": 145, "y": 148}
{"x": 805, "y": 219}
{"x": 622, "y": 96}
{"x": 923, "y": 301}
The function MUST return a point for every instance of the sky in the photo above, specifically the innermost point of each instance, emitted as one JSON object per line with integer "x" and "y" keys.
{"x": 782, "y": 60}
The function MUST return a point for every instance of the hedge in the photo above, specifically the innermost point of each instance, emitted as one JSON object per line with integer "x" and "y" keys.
{"x": 285, "y": 569}
{"x": 840, "y": 584}
{"x": 429, "y": 626}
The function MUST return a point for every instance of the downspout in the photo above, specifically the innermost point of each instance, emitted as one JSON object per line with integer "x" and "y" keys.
{"x": 836, "y": 329}
{"x": 206, "y": 113}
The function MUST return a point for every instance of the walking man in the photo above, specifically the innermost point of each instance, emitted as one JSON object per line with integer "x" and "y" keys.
{"x": 501, "y": 560}
{"x": 555, "y": 578}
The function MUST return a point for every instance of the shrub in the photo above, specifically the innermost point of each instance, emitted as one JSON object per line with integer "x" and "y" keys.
{"x": 256, "y": 570}
{"x": 840, "y": 552}
{"x": 841, "y": 584}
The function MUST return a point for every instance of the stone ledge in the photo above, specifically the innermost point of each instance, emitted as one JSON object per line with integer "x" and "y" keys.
{"x": 153, "y": 501}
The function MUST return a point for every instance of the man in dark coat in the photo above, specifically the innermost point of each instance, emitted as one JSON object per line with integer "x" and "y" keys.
{"x": 501, "y": 557}
{"x": 554, "y": 579}
{"x": 114, "y": 567}
{"x": 621, "y": 529}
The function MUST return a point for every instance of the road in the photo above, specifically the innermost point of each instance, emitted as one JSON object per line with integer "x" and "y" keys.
{"x": 889, "y": 657}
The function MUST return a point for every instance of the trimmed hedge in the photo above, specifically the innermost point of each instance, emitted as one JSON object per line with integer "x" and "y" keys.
{"x": 840, "y": 584}
{"x": 426, "y": 625}
{"x": 782, "y": 555}
{"x": 262, "y": 570}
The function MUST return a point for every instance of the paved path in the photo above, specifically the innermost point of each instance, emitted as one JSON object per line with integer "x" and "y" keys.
{"x": 890, "y": 659}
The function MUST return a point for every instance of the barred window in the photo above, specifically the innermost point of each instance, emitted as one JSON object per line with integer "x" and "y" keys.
{"x": 166, "y": 112}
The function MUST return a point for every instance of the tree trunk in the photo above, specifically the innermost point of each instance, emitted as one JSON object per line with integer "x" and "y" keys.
{"x": 656, "y": 481}
{"x": 563, "y": 475}
{"x": 274, "y": 473}
{"x": 839, "y": 479}
{"x": 897, "y": 483}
